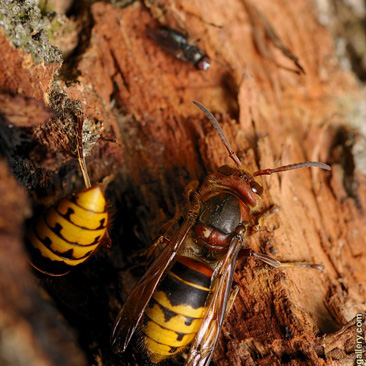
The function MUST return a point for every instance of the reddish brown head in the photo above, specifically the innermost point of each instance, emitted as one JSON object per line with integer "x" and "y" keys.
{"x": 240, "y": 182}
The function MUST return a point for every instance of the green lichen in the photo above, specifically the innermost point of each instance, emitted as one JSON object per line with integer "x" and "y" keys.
{"x": 25, "y": 27}
{"x": 56, "y": 26}
{"x": 45, "y": 6}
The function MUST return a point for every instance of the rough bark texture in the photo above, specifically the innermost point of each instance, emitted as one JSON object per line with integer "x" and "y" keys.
{"x": 131, "y": 91}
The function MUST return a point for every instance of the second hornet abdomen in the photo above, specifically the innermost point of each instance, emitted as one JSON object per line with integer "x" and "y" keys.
{"x": 68, "y": 232}
{"x": 176, "y": 309}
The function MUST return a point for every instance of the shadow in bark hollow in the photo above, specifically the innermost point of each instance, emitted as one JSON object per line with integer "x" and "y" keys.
{"x": 342, "y": 153}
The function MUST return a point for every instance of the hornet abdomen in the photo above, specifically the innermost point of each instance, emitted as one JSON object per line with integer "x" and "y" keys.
{"x": 176, "y": 309}
{"x": 68, "y": 232}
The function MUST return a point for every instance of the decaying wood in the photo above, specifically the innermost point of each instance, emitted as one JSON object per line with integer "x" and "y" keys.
{"x": 131, "y": 92}
{"x": 23, "y": 112}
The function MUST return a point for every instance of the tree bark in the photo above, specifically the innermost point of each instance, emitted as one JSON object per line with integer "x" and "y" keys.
{"x": 281, "y": 97}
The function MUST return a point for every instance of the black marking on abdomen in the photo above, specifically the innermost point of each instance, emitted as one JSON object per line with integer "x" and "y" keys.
{"x": 68, "y": 254}
{"x": 67, "y": 215}
{"x": 180, "y": 293}
{"x": 45, "y": 264}
{"x": 190, "y": 275}
{"x": 57, "y": 230}
{"x": 168, "y": 314}
{"x": 188, "y": 321}
{"x": 47, "y": 242}
{"x": 173, "y": 349}
{"x": 70, "y": 211}
{"x": 180, "y": 335}
{"x": 101, "y": 226}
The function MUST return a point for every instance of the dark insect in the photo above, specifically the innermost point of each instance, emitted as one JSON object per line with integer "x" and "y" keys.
{"x": 177, "y": 44}
{"x": 70, "y": 230}
{"x": 182, "y": 299}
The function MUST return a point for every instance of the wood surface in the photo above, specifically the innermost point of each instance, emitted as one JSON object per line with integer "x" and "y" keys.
{"x": 131, "y": 92}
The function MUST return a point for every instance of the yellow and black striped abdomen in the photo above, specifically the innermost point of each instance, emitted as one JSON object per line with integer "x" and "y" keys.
{"x": 176, "y": 309}
{"x": 68, "y": 232}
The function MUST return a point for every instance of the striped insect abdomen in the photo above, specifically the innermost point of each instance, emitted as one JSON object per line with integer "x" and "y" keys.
{"x": 176, "y": 309}
{"x": 68, "y": 232}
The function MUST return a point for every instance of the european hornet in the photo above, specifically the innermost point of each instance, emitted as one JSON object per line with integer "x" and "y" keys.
{"x": 182, "y": 299}
{"x": 178, "y": 45}
{"x": 69, "y": 231}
